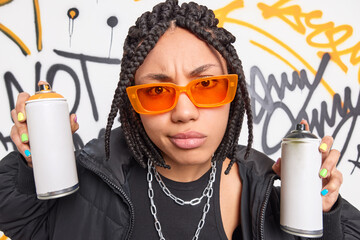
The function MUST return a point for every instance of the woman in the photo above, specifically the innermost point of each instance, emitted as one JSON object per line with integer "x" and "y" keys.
{"x": 166, "y": 173}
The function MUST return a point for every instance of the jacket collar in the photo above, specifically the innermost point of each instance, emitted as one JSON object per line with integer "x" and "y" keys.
{"x": 115, "y": 168}
{"x": 257, "y": 179}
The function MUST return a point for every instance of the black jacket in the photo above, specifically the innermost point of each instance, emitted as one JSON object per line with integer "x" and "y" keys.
{"x": 102, "y": 208}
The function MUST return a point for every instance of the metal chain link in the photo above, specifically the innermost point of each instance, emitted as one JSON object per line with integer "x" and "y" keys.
{"x": 180, "y": 201}
{"x": 208, "y": 192}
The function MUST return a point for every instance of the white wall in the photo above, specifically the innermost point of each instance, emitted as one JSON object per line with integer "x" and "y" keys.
{"x": 85, "y": 67}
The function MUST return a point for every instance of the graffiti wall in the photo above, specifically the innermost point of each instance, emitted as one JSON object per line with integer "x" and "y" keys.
{"x": 301, "y": 60}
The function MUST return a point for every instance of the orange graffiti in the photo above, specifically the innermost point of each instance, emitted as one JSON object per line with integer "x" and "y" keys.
{"x": 15, "y": 39}
{"x": 335, "y": 35}
{"x": 272, "y": 52}
{"x": 3, "y": 2}
{"x": 223, "y": 12}
{"x": 38, "y": 25}
{"x": 72, "y": 14}
{"x": 25, "y": 50}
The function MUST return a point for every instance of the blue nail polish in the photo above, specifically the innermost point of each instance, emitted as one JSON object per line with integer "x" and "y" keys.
{"x": 324, "y": 192}
{"x": 27, "y": 153}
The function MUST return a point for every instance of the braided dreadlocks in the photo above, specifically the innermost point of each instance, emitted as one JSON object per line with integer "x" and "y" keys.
{"x": 141, "y": 39}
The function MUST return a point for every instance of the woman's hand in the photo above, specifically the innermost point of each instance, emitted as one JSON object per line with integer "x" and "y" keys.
{"x": 19, "y": 132}
{"x": 332, "y": 178}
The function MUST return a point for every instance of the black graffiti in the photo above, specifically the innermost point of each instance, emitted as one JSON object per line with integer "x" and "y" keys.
{"x": 13, "y": 86}
{"x": 346, "y": 109}
{"x": 83, "y": 60}
{"x": 356, "y": 162}
{"x": 5, "y": 140}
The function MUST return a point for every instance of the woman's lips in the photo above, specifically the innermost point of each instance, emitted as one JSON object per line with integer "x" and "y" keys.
{"x": 188, "y": 140}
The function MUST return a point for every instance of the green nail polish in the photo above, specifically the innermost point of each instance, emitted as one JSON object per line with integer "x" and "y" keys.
{"x": 24, "y": 137}
{"x": 323, "y": 172}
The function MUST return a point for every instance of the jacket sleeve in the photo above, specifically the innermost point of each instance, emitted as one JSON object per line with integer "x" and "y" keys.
{"x": 342, "y": 222}
{"x": 22, "y": 215}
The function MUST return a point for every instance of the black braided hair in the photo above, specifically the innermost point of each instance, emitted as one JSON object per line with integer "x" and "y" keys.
{"x": 141, "y": 39}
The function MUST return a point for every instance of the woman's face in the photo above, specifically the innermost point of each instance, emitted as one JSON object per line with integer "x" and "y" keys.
{"x": 186, "y": 135}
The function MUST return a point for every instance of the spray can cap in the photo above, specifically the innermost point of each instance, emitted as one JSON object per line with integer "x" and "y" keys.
{"x": 44, "y": 92}
{"x": 300, "y": 132}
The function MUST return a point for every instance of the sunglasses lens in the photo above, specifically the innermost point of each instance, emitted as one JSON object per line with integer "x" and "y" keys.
{"x": 210, "y": 91}
{"x": 156, "y": 98}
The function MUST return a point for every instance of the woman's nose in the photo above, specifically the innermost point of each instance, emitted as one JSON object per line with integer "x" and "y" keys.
{"x": 184, "y": 110}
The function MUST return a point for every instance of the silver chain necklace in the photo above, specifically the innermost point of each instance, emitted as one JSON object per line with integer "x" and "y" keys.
{"x": 208, "y": 192}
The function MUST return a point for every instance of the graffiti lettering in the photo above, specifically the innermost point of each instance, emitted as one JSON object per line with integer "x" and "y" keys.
{"x": 12, "y": 84}
{"x": 356, "y": 162}
{"x": 335, "y": 35}
{"x": 346, "y": 110}
{"x": 24, "y": 49}
{"x": 83, "y": 60}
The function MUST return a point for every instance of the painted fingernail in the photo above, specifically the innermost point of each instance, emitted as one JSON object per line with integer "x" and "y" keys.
{"x": 20, "y": 117}
{"x": 277, "y": 162}
{"x": 24, "y": 137}
{"x": 323, "y": 147}
{"x": 27, "y": 153}
{"x": 324, "y": 192}
{"x": 75, "y": 119}
{"x": 323, "y": 173}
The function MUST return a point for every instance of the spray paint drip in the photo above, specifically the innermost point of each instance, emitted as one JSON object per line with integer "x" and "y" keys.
{"x": 72, "y": 13}
{"x": 111, "y": 22}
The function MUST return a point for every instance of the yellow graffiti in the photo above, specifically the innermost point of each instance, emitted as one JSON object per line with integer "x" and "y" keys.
{"x": 335, "y": 35}
{"x": 25, "y": 50}
{"x": 15, "y": 39}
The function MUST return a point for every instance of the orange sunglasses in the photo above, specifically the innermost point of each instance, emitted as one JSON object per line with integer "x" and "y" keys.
{"x": 155, "y": 98}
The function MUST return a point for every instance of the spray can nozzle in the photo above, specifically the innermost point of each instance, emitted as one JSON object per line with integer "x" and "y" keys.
{"x": 44, "y": 86}
{"x": 300, "y": 127}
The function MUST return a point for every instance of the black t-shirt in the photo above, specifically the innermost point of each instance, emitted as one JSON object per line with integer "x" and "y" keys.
{"x": 177, "y": 222}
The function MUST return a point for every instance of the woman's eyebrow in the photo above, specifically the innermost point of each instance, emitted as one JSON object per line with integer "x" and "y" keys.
{"x": 197, "y": 71}
{"x": 155, "y": 76}
{"x": 164, "y": 78}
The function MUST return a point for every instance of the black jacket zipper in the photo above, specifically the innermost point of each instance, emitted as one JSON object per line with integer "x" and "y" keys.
{"x": 121, "y": 191}
{"x": 264, "y": 205}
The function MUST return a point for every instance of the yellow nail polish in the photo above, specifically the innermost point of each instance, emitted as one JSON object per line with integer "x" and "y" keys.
{"x": 20, "y": 117}
{"x": 323, "y": 147}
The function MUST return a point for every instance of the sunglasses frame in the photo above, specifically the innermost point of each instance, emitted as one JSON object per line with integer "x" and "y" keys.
{"x": 230, "y": 95}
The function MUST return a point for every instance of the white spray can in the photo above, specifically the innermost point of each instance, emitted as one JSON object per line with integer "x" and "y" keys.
{"x": 51, "y": 144}
{"x": 301, "y": 201}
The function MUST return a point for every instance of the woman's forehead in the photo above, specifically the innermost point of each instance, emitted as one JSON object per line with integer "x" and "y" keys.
{"x": 178, "y": 50}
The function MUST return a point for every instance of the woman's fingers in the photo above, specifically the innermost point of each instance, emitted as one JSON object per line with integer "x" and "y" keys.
{"x": 307, "y": 128}
{"x": 18, "y": 131}
{"x": 74, "y": 123}
{"x": 330, "y": 191}
{"x": 332, "y": 178}
{"x": 20, "y": 106}
{"x": 330, "y": 157}
{"x": 276, "y": 167}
